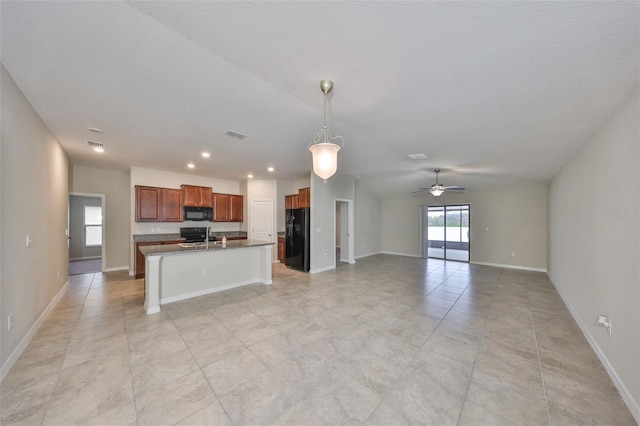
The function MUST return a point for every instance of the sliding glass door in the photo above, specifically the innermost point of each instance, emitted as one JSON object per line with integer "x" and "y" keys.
{"x": 447, "y": 235}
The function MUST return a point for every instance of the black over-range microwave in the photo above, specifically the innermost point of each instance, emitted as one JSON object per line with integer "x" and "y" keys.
{"x": 197, "y": 213}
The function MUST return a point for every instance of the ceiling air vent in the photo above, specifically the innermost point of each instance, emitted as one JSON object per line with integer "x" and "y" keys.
{"x": 417, "y": 156}
{"x": 234, "y": 134}
{"x": 98, "y": 146}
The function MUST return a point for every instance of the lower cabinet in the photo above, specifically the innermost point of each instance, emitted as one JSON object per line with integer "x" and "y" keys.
{"x": 140, "y": 264}
{"x": 281, "y": 243}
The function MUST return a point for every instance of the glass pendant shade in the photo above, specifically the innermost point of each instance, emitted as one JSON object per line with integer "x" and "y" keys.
{"x": 436, "y": 191}
{"x": 324, "y": 149}
{"x": 325, "y": 159}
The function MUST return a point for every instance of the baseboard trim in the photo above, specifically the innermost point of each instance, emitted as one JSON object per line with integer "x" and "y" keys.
{"x": 117, "y": 268}
{"x": 85, "y": 258}
{"x": 501, "y": 265}
{"x": 368, "y": 254}
{"x": 32, "y": 331}
{"x": 326, "y": 268}
{"x": 632, "y": 404}
{"x": 401, "y": 254}
{"x": 172, "y": 299}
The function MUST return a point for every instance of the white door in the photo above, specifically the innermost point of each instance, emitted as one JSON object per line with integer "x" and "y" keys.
{"x": 262, "y": 220}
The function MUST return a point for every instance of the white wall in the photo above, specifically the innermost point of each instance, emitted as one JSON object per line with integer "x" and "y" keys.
{"x": 323, "y": 210}
{"x": 34, "y": 189}
{"x": 594, "y": 239}
{"x": 114, "y": 184}
{"x": 368, "y": 210}
{"x": 516, "y": 217}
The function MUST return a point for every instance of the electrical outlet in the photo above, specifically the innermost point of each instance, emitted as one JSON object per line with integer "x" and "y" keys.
{"x": 28, "y": 241}
{"x": 513, "y": 254}
{"x": 326, "y": 254}
{"x": 58, "y": 274}
{"x": 10, "y": 322}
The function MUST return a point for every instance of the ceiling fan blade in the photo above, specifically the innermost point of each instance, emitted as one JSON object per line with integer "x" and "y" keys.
{"x": 454, "y": 188}
{"x": 420, "y": 191}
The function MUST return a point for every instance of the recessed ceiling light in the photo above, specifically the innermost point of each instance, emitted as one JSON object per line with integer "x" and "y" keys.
{"x": 191, "y": 166}
{"x": 271, "y": 169}
{"x": 205, "y": 154}
{"x": 94, "y": 130}
{"x": 417, "y": 156}
{"x": 250, "y": 176}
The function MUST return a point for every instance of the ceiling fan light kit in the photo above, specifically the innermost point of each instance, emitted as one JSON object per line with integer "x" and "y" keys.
{"x": 437, "y": 189}
{"x": 324, "y": 149}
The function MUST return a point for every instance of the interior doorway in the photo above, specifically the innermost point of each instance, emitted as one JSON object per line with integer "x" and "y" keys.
{"x": 447, "y": 232}
{"x": 344, "y": 238}
{"x": 86, "y": 233}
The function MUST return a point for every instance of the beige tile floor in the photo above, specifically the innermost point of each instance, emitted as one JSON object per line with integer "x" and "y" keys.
{"x": 387, "y": 341}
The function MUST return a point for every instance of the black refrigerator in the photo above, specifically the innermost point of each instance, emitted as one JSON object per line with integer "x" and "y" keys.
{"x": 297, "y": 239}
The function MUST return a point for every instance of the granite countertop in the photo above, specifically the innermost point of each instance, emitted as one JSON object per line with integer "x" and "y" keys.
{"x": 149, "y": 238}
{"x": 187, "y": 248}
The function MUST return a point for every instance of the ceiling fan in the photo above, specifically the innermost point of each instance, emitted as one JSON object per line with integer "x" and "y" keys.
{"x": 437, "y": 189}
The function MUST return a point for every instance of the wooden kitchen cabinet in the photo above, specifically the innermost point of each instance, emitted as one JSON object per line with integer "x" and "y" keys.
{"x": 228, "y": 207}
{"x": 140, "y": 263}
{"x": 221, "y": 207}
{"x": 236, "y": 205}
{"x": 281, "y": 252}
{"x": 291, "y": 201}
{"x": 158, "y": 204}
{"x": 148, "y": 204}
{"x": 304, "y": 197}
{"x": 198, "y": 196}
{"x": 171, "y": 205}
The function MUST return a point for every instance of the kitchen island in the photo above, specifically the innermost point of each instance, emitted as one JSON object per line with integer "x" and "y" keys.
{"x": 180, "y": 271}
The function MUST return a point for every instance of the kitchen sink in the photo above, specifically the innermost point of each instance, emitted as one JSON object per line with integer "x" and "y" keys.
{"x": 200, "y": 244}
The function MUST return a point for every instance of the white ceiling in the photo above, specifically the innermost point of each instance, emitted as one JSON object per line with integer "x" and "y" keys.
{"x": 492, "y": 92}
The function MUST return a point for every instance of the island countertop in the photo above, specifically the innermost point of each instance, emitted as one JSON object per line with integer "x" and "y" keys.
{"x": 189, "y": 248}
{"x": 180, "y": 271}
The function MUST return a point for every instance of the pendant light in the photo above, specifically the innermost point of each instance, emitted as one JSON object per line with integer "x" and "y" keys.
{"x": 324, "y": 148}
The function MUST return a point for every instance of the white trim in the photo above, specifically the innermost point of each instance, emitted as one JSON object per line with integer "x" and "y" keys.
{"x": 401, "y": 254}
{"x": 500, "y": 265}
{"x": 103, "y": 201}
{"x": 32, "y": 331}
{"x": 211, "y": 290}
{"x": 276, "y": 261}
{"x": 368, "y": 254}
{"x": 326, "y": 268}
{"x": 84, "y": 258}
{"x": 633, "y": 406}
{"x": 116, "y": 268}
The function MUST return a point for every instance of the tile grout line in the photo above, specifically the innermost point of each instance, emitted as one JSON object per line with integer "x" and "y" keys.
{"x": 535, "y": 339}
{"x": 475, "y": 359}
{"x": 84, "y": 301}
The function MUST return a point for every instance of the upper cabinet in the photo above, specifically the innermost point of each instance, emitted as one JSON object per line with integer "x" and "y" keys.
{"x": 236, "y": 214}
{"x": 228, "y": 207}
{"x": 220, "y": 207}
{"x": 165, "y": 204}
{"x": 158, "y": 204}
{"x": 300, "y": 200}
{"x": 148, "y": 204}
{"x": 291, "y": 201}
{"x": 171, "y": 205}
{"x": 198, "y": 196}
{"x": 304, "y": 197}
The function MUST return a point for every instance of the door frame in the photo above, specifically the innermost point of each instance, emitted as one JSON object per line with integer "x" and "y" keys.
{"x": 351, "y": 249}
{"x": 424, "y": 211}
{"x": 103, "y": 248}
